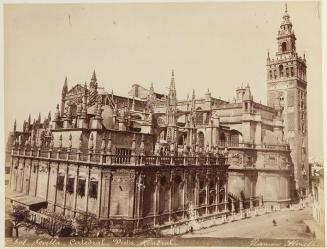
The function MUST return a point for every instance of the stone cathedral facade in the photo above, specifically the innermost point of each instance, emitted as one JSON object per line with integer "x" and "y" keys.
{"x": 154, "y": 160}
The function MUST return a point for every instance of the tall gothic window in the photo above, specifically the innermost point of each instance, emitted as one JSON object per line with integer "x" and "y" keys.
{"x": 281, "y": 74}
{"x": 93, "y": 190}
{"x": 81, "y": 187}
{"x": 201, "y": 139}
{"x": 60, "y": 182}
{"x": 70, "y": 185}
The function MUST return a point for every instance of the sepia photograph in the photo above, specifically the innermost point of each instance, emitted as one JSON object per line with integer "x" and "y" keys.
{"x": 147, "y": 124}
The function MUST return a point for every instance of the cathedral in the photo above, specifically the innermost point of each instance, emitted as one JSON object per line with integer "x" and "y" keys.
{"x": 154, "y": 160}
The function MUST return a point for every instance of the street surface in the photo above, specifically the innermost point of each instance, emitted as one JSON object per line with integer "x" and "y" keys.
{"x": 289, "y": 225}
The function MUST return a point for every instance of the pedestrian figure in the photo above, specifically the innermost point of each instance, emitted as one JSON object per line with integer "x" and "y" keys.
{"x": 274, "y": 222}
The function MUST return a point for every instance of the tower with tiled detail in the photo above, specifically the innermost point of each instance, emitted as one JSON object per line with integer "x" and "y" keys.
{"x": 287, "y": 92}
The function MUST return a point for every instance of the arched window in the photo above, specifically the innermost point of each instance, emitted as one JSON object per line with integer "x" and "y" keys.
{"x": 275, "y": 74}
{"x": 270, "y": 74}
{"x": 201, "y": 139}
{"x": 222, "y": 139}
{"x": 287, "y": 72}
{"x": 281, "y": 70}
{"x": 235, "y": 137}
{"x": 292, "y": 72}
{"x": 199, "y": 116}
{"x": 284, "y": 46}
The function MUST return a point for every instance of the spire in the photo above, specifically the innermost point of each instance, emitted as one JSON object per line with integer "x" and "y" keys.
{"x": 151, "y": 88}
{"x": 193, "y": 94}
{"x": 39, "y": 118}
{"x": 172, "y": 81}
{"x": 29, "y": 117}
{"x": 49, "y": 116}
{"x": 286, "y": 17}
{"x": 94, "y": 77}
{"x": 208, "y": 95}
{"x": 133, "y": 104}
{"x": 24, "y": 125}
{"x": 57, "y": 115}
{"x": 172, "y": 91}
{"x": 64, "y": 88}
{"x": 93, "y": 82}
{"x": 15, "y": 125}
{"x": 85, "y": 88}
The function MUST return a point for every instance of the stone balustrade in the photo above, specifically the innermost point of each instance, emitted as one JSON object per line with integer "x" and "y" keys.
{"x": 105, "y": 158}
{"x": 283, "y": 147}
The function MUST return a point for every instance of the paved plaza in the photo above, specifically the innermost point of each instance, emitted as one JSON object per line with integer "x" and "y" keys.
{"x": 289, "y": 225}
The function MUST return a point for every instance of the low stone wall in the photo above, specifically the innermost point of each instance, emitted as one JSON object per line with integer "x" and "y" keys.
{"x": 223, "y": 219}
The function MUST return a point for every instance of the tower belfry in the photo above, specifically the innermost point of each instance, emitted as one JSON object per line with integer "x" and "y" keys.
{"x": 287, "y": 90}
{"x": 286, "y": 37}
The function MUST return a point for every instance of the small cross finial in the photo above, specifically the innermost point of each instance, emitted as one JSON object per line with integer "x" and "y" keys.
{"x": 285, "y": 7}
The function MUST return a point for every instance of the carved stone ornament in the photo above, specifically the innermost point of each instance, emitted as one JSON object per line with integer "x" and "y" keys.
{"x": 235, "y": 159}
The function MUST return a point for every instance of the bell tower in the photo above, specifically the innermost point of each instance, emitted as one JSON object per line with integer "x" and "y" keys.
{"x": 287, "y": 91}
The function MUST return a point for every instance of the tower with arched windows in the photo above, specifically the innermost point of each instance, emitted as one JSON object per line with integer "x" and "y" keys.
{"x": 287, "y": 92}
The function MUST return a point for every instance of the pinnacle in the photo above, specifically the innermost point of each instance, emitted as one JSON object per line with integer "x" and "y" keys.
{"x": 94, "y": 77}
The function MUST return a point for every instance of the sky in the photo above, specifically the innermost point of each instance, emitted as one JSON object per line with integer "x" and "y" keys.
{"x": 209, "y": 45}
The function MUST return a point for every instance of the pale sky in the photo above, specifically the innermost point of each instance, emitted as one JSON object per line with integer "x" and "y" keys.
{"x": 213, "y": 45}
